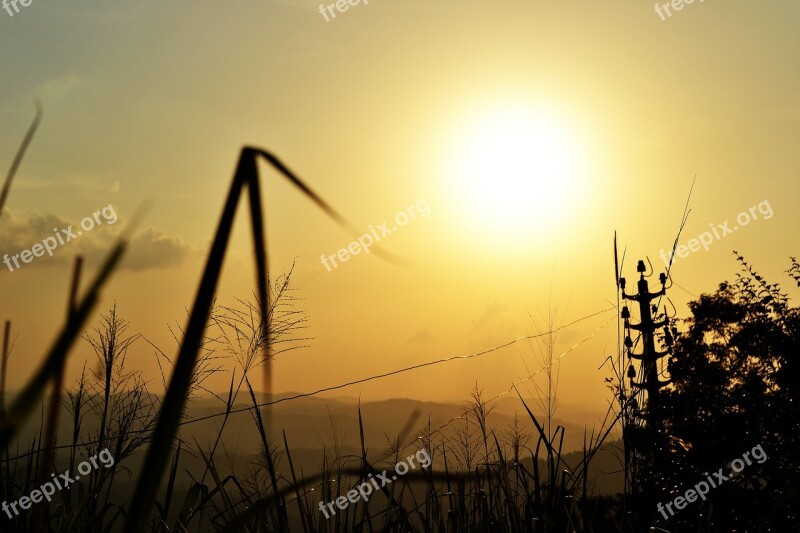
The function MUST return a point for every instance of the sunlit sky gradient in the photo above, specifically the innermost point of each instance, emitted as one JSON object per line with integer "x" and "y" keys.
{"x": 155, "y": 99}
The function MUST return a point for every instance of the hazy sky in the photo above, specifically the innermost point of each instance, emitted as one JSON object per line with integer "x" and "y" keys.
{"x": 532, "y": 131}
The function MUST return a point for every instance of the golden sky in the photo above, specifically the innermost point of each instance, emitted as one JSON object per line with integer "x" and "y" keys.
{"x": 530, "y": 130}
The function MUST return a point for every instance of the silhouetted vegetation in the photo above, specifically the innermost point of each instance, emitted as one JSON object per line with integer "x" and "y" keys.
{"x": 735, "y": 383}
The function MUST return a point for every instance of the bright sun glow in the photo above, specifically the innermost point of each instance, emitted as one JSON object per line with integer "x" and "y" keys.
{"x": 517, "y": 169}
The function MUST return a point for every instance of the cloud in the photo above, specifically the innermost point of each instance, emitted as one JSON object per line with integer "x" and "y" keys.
{"x": 493, "y": 327}
{"x": 153, "y": 249}
{"x": 67, "y": 181}
{"x": 421, "y": 338}
{"x": 20, "y": 231}
{"x": 101, "y": 12}
{"x": 570, "y": 334}
{"x": 55, "y": 89}
{"x": 490, "y": 313}
{"x": 149, "y": 249}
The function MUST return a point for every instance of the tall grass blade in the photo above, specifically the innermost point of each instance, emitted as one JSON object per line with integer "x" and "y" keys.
{"x": 20, "y": 154}
{"x": 53, "y": 409}
{"x": 33, "y": 391}
{"x": 246, "y": 175}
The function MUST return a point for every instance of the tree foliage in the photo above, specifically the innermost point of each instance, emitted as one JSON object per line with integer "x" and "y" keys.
{"x": 736, "y": 385}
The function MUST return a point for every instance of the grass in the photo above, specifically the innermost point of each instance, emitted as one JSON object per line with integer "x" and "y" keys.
{"x": 481, "y": 478}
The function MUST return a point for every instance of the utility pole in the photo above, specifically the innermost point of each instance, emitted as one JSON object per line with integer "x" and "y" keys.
{"x": 644, "y": 433}
{"x": 649, "y": 356}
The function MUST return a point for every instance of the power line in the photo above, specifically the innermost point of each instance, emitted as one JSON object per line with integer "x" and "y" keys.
{"x": 336, "y": 387}
{"x": 507, "y": 391}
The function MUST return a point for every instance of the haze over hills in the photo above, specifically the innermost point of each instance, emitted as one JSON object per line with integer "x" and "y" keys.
{"x": 313, "y": 420}
{"x": 314, "y": 427}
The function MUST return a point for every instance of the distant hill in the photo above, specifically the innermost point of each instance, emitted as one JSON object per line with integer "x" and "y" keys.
{"x": 313, "y": 424}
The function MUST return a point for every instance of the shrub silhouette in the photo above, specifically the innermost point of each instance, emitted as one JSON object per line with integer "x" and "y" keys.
{"x": 736, "y": 382}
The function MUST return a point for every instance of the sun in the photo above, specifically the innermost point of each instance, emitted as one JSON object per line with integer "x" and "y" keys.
{"x": 516, "y": 169}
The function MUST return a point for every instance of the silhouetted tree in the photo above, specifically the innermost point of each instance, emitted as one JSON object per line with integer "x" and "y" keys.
{"x": 736, "y": 376}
